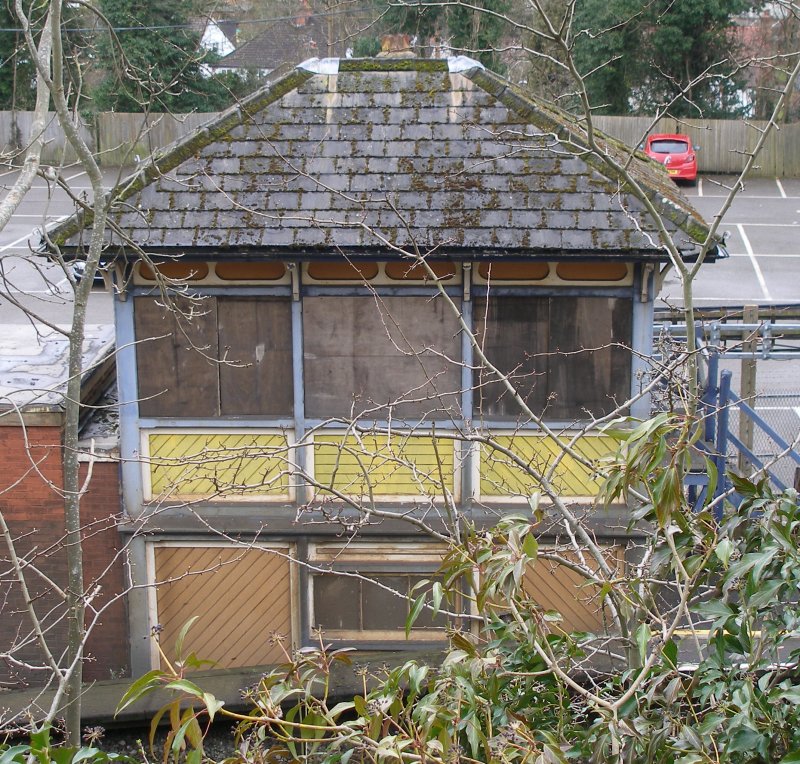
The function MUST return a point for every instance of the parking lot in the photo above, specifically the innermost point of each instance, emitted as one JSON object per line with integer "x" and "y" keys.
{"x": 763, "y": 225}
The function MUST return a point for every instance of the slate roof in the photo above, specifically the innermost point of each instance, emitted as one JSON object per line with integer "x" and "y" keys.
{"x": 279, "y": 46}
{"x": 366, "y": 155}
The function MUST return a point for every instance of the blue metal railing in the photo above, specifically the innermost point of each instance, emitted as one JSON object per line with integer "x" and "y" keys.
{"x": 717, "y": 400}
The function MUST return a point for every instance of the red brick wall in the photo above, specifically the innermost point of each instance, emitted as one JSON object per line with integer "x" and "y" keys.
{"x": 32, "y": 505}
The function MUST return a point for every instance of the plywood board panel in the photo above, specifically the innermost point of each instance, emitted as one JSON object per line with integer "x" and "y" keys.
{"x": 255, "y": 341}
{"x": 363, "y": 353}
{"x": 177, "y": 373}
{"x": 556, "y": 587}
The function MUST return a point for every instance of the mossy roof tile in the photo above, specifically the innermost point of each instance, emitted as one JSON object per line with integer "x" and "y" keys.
{"x": 465, "y": 159}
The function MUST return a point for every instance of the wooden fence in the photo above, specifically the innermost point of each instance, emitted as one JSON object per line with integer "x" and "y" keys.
{"x": 121, "y": 139}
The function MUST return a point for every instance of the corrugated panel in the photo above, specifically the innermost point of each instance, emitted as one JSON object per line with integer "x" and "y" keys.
{"x": 242, "y": 598}
{"x": 397, "y": 466}
{"x": 499, "y": 477}
{"x": 220, "y": 465}
{"x": 556, "y": 587}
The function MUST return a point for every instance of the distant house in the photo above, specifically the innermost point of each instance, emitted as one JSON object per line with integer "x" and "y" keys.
{"x": 294, "y": 384}
{"x": 282, "y": 43}
{"x": 218, "y": 36}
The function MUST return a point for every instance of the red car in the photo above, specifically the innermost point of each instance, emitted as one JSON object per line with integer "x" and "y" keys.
{"x": 676, "y": 153}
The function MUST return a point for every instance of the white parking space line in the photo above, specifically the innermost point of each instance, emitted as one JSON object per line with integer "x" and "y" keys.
{"x": 780, "y": 187}
{"x": 767, "y": 225}
{"x": 17, "y": 242}
{"x": 48, "y": 218}
{"x": 699, "y": 186}
{"x": 749, "y": 196}
{"x": 83, "y": 172}
{"x": 759, "y": 275}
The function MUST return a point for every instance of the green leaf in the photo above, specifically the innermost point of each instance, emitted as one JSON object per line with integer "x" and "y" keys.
{"x": 15, "y": 755}
{"x": 184, "y": 685}
{"x": 792, "y": 695}
{"x": 86, "y": 753}
{"x": 670, "y": 653}
{"x": 182, "y": 635}
{"x": 58, "y": 755}
{"x": 437, "y": 592}
{"x": 360, "y": 706}
{"x": 142, "y": 686}
{"x": 723, "y": 551}
{"x": 530, "y": 546}
{"x": 642, "y": 637}
{"x": 791, "y": 758}
{"x": 212, "y": 705}
{"x": 416, "y": 609}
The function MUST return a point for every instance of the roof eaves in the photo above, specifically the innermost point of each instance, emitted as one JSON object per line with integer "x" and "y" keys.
{"x": 171, "y": 156}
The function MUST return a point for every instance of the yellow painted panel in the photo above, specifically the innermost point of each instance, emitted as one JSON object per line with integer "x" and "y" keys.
{"x": 401, "y": 466}
{"x": 500, "y": 477}
{"x": 218, "y": 465}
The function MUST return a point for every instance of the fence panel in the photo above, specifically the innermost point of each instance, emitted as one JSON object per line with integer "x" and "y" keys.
{"x": 126, "y": 138}
{"x": 15, "y": 128}
{"x": 122, "y": 137}
{"x": 724, "y": 144}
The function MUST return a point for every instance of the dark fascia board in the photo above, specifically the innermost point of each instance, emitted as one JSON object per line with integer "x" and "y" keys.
{"x": 653, "y": 181}
{"x": 259, "y": 254}
{"x": 354, "y": 253}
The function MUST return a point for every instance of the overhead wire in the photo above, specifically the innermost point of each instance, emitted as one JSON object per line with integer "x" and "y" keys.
{"x": 156, "y": 27}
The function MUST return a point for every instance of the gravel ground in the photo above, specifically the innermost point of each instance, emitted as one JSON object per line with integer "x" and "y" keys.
{"x": 219, "y": 743}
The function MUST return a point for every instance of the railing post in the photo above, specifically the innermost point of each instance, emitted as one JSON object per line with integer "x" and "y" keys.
{"x": 723, "y": 418}
{"x": 710, "y": 394}
{"x": 747, "y": 390}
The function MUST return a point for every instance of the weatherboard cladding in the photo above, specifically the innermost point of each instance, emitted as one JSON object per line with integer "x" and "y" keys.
{"x": 365, "y": 158}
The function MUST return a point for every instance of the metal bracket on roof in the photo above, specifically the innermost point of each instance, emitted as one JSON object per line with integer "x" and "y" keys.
{"x": 462, "y": 64}
{"x": 647, "y": 271}
{"x": 320, "y": 65}
{"x": 294, "y": 273}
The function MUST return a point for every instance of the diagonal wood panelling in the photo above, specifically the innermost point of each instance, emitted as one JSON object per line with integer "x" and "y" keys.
{"x": 242, "y": 597}
{"x": 219, "y": 465}
{"x": 555, "y": 587}
{"x": 501, "y": 478}
{"x": 397, "y": 466}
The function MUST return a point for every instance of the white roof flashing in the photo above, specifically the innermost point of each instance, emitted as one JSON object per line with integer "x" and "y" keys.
{"x": 320, "y": 65}
{"x": 457, "y": 64}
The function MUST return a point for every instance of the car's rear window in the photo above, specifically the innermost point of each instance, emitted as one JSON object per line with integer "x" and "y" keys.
{"x": 669, "y": 147}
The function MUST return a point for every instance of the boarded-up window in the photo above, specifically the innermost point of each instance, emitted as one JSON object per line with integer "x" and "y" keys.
{"x": 234, "y": 357}
{"x": 564, "y": 355}
{"x": 367, "y": 354}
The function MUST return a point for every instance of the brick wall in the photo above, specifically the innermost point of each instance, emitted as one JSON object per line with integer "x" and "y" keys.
{"x": 32, "y": 505}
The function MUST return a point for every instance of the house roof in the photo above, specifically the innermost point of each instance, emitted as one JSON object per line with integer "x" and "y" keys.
{"x": 366, "y": 156}
{"x": 282, "y": 43}
{"x": 34, "y": 370}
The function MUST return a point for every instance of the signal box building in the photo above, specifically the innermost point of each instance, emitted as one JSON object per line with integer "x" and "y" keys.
{"x": 368, "y": 302}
